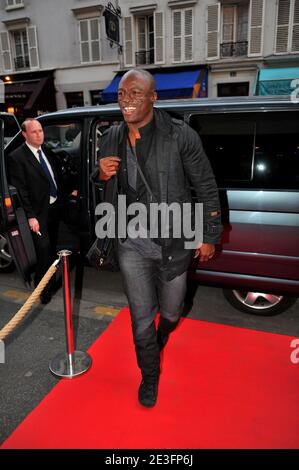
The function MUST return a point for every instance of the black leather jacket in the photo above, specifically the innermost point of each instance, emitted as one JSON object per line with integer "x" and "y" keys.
{"x": 175, "y": 162}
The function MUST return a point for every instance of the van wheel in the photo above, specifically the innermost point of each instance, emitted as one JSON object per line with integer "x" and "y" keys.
{"x": 258, "y": 303}
{"x": 6, "y": 262}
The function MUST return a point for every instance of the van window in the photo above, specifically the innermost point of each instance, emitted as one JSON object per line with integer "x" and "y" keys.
{"x": 11, "y": 127}
{"x": 228, "y": 140}
{"x": 101, "y": 127}
{"x": 276, "y": 163}
{"x": 62, "y": 136}
{"x": 64, "y": 140}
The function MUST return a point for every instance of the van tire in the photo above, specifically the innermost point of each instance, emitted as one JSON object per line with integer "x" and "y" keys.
{"x": 262, "y": 304}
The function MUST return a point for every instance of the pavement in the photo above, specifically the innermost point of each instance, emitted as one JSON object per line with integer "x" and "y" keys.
{"x": 25, "y": 377}
{"x": 97, "y": 298}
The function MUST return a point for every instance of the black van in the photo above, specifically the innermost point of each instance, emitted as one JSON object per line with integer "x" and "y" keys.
{"x": 253, "y": 146}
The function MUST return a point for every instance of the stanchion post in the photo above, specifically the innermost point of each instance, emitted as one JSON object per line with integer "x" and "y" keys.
{"x": 67, "y": 305}
{"x": 72, "y": 363}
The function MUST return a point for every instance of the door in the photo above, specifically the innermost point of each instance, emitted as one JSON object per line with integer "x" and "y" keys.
{"x": 14, "y": 224}
{"x": 64, "y": 141}
{"x": 229, "y": 144}
{"x": 99, "y": 126}
{"x": 255, "y": 160}
{"x": 276, "y": 176}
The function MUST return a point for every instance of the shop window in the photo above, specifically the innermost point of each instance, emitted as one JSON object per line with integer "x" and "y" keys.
{"x": 74, "y": 99}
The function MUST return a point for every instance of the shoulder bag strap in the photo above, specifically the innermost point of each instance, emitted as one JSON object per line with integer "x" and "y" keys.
{"x": 142, "y": 175}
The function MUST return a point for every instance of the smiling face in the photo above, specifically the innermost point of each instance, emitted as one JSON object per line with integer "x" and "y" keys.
{"x": 136, "y": 96}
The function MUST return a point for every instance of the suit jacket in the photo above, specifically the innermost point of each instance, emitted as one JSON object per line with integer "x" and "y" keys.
{"x": 27, "y": 175}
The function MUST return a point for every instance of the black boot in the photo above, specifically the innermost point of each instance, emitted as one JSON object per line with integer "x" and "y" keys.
{"x": 148, "y": 358}
{"x": 164, "y": 329}
{"x": 147, "y": 393}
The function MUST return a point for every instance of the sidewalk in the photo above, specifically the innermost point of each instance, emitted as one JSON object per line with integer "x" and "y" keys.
{"x": 101, "y": 293}
{"x": 25, "y": 377}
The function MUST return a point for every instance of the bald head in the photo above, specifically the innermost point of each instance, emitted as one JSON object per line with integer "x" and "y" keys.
{"x": 33, "y": 132}
{"x": 140, "y": 73}
{"x": 26, "y": 122}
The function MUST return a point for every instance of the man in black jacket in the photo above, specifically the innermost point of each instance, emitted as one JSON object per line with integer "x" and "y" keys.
{"x": 33, "y": 172}
{"x": 171, "y": 158}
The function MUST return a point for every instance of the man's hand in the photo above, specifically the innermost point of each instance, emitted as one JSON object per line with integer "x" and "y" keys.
{"x": 108, "y": 167}
{"x": 33, "y": 224}
{"x": 205, "y": 251}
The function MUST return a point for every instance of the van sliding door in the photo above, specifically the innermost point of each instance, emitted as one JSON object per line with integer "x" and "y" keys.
{"x": 14, "y": 222}
{"x": 96, "y": 190}
{"x": 276, "y": 178}
{"x": 229, "y": 140}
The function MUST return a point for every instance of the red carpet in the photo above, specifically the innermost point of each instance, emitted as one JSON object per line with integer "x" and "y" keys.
{"x": 221, "y": 387}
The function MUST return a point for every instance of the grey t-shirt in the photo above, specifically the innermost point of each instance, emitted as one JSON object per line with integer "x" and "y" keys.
{"x": 145, "y": 246}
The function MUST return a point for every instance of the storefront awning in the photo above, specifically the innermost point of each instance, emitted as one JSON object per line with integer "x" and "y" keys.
{"x": 109, "y": 95}
{"x": 277, "y": 81}
{"x": 30, "y": 94}
{"x": 181, "y": 84}
{"x": 29, "y": 91}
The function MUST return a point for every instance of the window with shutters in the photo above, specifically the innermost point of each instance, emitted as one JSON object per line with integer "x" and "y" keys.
{"x": 89, "y": 33}
{"x": 13, "y": 4}
{"x": 19, "y": 49}
{"x": 182, "y": 27}
{"x": 145, "y": 40}
{"x": 287, "y": 27}
{"x": 234, "y": 30}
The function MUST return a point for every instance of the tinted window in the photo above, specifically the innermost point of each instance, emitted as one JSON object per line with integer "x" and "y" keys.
{"x": 11, "y": 127}
{"x": 277, "y": 151}
{"x": 62, "y": 136}
{"x": 229, "y": 142}
{"x": 64, "y": 140}
{"x": 101, "y": 126}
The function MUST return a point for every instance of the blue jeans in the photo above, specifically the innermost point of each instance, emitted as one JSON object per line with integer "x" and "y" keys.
{"x": 147, "y": 294}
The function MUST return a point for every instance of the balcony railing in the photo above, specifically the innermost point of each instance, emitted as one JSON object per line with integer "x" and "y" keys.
{"x": 22, "y": 62}
{"x": 145, "y": 57}
{"x": 233, "y": 49}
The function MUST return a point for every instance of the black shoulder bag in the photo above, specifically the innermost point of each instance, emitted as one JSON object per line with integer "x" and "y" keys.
{"x": 102, "y": 255}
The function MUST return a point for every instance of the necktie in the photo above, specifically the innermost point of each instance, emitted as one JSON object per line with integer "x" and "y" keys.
{"x": 53, "y": 190}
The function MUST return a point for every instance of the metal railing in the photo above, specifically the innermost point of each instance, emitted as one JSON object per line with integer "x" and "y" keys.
{"x": 234, "y": 49}
{"x": 22, "y": 62}
{"x": 145, "y": 57}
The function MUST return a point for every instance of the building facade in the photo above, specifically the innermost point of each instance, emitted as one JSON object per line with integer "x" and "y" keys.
{"x": 56, "y": 54}
{"x": 232, "y": 38}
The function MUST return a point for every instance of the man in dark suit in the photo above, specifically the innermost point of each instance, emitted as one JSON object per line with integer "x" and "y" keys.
{"x": 33, "y": 172}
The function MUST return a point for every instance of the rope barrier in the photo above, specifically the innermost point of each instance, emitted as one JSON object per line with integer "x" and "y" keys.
{"x": 22, "y": 312}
